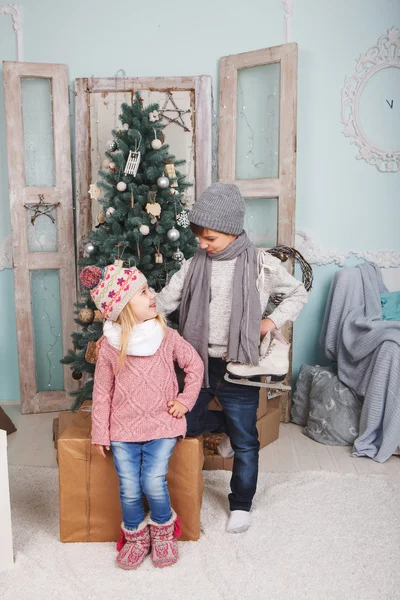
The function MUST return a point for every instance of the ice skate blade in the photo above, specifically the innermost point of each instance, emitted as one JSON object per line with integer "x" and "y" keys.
{"x": 255, "y": 378}
{"x": 270, "y": 385}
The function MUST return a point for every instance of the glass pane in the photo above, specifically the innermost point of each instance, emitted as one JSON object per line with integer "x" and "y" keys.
{"x": 261, "y": 221}
{"x": 42, "y": 231}
{"x": 257, "y": 122}
{"x": 37, "y": 122}
{"x": 46, "y": 315}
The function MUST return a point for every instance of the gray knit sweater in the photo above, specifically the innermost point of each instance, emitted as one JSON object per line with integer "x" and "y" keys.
{"x": 273, "y": 279}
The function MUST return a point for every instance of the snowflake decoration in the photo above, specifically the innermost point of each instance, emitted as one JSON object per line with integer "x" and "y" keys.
{"x": 183, "y": 219}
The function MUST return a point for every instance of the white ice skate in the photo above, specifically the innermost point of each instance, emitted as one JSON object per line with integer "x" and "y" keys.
{"x": 274, "y": 365}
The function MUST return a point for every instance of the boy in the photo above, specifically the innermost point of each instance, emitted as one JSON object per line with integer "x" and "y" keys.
{"x": 223, "y": 293}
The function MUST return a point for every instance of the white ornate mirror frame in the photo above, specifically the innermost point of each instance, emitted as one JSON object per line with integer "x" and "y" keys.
{"x": 385, "y": 54}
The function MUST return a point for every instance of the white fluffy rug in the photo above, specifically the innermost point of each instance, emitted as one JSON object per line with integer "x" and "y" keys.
{"x": 315, "y": 535}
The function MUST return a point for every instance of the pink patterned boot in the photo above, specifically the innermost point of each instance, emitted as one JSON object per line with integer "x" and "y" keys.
{"x": 133, "y": 546}
{"x": 164, "y": 547}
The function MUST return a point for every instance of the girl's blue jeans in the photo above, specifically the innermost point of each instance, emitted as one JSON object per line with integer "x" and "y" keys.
{"x": 141, "y": 469}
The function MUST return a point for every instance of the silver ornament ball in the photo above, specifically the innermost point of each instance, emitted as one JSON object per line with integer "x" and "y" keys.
{"x": 121, "y": 186}
{"x": 178, "y": 255}
{"x": 156, "y": 144}
{"x": 89, "y": 248}
{"x": 111, "y": 145}
{"x": 126, "y": 126}
{"x": 163, "y": 182}
{"x": 173, "y": 235}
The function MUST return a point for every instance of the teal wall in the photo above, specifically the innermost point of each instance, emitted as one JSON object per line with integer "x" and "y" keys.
{"x": 344, "y": 203}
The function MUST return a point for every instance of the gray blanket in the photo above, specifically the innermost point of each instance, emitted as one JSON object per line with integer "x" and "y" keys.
{"x": 367, "y": 351}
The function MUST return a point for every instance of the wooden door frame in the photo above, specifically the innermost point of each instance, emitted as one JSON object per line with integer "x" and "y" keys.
{"x": 24, "y": 261}
{"x": 201, "y": 85}
{"x": 284, "y": 186}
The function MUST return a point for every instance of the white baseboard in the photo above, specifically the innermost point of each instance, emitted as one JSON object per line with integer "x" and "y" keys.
{"x": 10, "y": 403}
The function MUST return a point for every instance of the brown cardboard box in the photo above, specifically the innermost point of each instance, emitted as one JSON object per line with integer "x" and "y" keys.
{"x": 268, "y": 432}
{"x": 89, "y": 499}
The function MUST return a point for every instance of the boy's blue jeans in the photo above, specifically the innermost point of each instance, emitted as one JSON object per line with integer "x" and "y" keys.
{"x": 238, "y": 420}
{"x": 141, "y": 469}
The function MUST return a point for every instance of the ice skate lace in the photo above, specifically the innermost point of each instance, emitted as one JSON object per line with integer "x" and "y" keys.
{"x": 265, "y": 262}
{"x": 270, "y": 348}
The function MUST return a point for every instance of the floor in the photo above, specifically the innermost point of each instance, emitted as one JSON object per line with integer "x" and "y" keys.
{"x": 32, "y": 444}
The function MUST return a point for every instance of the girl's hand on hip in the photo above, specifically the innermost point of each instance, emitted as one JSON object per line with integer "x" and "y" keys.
{"x": 266, "y": 326}
{"x": 177, "y": 409}
{"x": 101, "y": 449}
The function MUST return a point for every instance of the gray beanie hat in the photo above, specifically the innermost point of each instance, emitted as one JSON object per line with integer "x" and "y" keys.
{"x": 220, "y": 207}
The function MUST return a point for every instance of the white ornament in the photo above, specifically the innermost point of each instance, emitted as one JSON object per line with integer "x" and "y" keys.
{"x": 110, "y": 211}
{"x": 106, "y": 163}
{"x": 173, "y": 192}
{"x": 132, "y": 164}
{"x": 121, "y": 186}
{"x": 183, "y": 219}
{"x": 112, "y": 166}
{"x": 156, "y": 144}
{"x": 126, "y": 126}
{"x": 144, "y": 229}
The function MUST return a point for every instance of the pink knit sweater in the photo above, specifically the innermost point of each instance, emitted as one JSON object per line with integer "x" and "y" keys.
{"x": 132, "y": 406}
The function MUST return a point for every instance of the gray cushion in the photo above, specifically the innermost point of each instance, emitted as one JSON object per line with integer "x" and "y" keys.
{"x": 334, "y": 411}
{"x": 300, "y": 406}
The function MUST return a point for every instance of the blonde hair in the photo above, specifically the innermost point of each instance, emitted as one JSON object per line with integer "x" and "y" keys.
{"x": 127, "y": 319}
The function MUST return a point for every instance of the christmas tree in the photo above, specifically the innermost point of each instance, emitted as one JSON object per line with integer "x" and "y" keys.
{"x": 143, "y": 222}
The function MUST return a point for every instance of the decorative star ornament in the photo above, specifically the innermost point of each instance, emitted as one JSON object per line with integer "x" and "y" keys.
{"x": 178, "y": 118}
{"x": 42, "y": 208}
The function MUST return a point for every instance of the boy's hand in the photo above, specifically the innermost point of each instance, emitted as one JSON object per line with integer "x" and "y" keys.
{"x": 100, "y": 449}
{"x": 267, "y": 325}
{"x": 177, "y": 409}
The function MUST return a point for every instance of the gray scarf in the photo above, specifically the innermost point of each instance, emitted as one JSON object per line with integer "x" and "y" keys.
{"x": 244, "y": 329}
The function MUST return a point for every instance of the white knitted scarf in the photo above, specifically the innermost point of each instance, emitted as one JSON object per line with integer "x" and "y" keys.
{"x": 145, "y": 338}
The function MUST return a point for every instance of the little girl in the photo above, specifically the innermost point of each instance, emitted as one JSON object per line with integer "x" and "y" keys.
{"x": 137, "y": 410}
